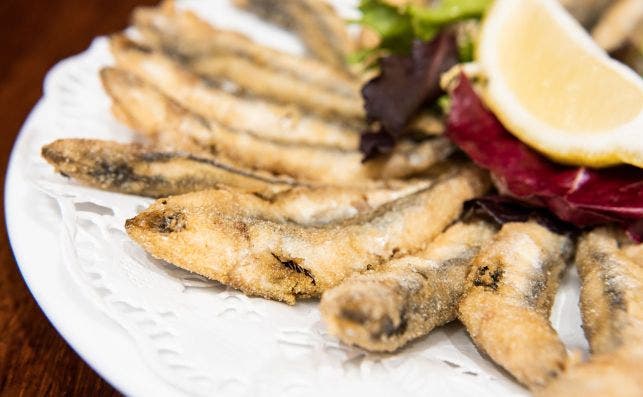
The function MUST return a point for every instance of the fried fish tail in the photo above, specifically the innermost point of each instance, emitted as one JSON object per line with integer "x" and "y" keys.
{"x": 261, "y": 118}
{"x": 385, "y": 309}
{"x": 270, "y": 256}
{"x": 511, "y": 288}
{"x": 611, "y": 301}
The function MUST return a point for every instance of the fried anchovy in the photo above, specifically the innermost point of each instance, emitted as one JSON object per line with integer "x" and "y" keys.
{"x": 611, "y": 290}
{"x": 511, "y": 288}
{"x": 253, "y": 248}
{"x": 145, "y": 109}
{"x": 618, "y": 23}
{"x": 320, "y": 28}
{"x": 258, "y": 117}
{"x": 321, "y": 205}
{"x": 611, "y": 272}
{"x": 184, "y": 33}
{"x": 630, "y": 53}
{"x": 617, "y": 374}
{"x": 586, "y": 12}
{"x": 262, "y": 82}
{"x": 407, "y": 298}
{"x": 427, "y": 123}
{"x": 133, "y": 169}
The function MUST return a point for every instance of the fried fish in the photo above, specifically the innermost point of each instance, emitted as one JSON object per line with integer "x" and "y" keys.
{"x": 611, "y": 272}
{"x": 618, "y": 23}
{"x": 183, "y": 33}
{"x": 407, "y": 297}
{"x": 587, "y": 12}
{"x": 236, "y": 59}
{"x": 261, "y": 118}
{"x": 511, "y": 289}
{"x": 146, "y": 109}
{"x": 258, "y": 81}
{"x": 321, "y": 29}
{"x": 221, "y": 236}
{"x": 134, "y": 169}
{"x": 617, "y": 374}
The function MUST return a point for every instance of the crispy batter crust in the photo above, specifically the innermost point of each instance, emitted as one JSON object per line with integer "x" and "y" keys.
{"x": 385, "y": 309}
{"x": 224, "y": 237}
{"x": 512, "y": 284}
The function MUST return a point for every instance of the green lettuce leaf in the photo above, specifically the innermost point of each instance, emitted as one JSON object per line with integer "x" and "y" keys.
{"x": 393, "y": 26}
{"x": 399, "y": 26}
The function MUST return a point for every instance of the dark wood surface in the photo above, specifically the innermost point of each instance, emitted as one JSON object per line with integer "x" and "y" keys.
{"x": 35, "y": 34}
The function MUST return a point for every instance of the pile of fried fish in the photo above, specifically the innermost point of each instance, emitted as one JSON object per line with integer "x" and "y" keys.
{"x": 252, "y": 154}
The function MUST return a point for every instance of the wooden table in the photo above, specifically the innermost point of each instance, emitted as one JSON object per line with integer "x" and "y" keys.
{"x": 35, "y": 34}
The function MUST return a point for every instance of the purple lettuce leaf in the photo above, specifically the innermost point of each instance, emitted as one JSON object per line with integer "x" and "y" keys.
{"x": 372, "y": 144}
{"x": 404, "y": 85}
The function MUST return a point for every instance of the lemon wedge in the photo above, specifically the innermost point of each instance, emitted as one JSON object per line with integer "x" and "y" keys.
{"x": 555, "y": 89}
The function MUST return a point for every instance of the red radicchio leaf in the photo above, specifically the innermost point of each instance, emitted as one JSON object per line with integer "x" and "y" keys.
{"x": 584, "y": 197}
{"x": 405, "y": 83}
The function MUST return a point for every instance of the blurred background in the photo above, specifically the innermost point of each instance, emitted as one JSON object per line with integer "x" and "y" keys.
{"x": 34, "y": 35}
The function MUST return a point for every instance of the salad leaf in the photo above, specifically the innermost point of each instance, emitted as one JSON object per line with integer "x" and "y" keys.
{"x": 446, "y": 12}
{"x": 399, "y": 26}
{"x": 419, "y": 46}
{"x": 427, "y": 22}
{"x": 372, "y": 144}
{"x": 394, "y": 28}
{"x": 582, "y": 196}
{"x": 405, "y": 83}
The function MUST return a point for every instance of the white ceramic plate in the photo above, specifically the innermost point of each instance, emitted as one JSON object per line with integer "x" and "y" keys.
{"x": 151, "y": 329}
